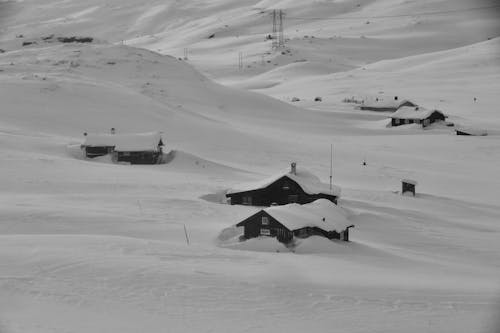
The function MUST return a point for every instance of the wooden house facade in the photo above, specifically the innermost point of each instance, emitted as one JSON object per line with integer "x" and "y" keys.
{"x": 292, "y": 187}
{"x": 320, "y": 218}
{"x": 416, "y": 115}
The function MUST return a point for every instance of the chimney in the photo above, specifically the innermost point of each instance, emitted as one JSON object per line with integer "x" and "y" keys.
{"x": 112, "y": 130}
{"x": 395, "y": 98}
{"x": 293, "y": 169}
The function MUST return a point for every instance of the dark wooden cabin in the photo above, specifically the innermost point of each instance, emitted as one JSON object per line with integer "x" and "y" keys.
{"x": 389, "y": 105}
{"x": 408, "y": 186}
{"x": 320, "y": 218}
{"x": 291, "y": 187}
{"x": 416, "y": 115}
{"x": 137, "y": 148}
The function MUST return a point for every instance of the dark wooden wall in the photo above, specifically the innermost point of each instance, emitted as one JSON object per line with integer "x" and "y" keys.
{"x": 92, "y": 152}
{"x": 253, "y": 225}
{"x": 142, "y": 157}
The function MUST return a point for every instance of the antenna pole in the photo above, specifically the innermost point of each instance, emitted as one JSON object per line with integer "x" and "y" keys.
{"x": 186, "y": 234}
{"x": 331, "y": 166}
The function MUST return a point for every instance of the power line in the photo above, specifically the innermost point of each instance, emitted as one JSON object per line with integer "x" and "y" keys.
{"x": 392, "y": 16}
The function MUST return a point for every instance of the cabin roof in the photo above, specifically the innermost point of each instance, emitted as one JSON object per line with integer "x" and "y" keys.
{"x": 472, "y": 131}
{"x": 309, "y": 183}
{"x": 125, "y": 142}
{"x": 295, "y": 216}
{"x": 385, "y": 103}
{"x": 412, "y": 112}
{"x": 409, "y": 181}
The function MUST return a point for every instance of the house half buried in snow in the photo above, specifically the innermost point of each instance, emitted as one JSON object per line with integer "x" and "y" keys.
{"x": 319, "y": 218}
{"x": 294, "y": 186}
{"x": 416, "y": 115}
{"x": 136, "y": 148}
{"x": 389, "y": 105}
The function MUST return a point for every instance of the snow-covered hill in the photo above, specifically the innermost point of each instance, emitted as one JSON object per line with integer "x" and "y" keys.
{"x": 92, "y": 246}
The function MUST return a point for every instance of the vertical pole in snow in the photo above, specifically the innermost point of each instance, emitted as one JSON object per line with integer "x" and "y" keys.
{"x": 240, "y": 61}
{"x": 331, "y": 167}
{"x": 186, "y": 234}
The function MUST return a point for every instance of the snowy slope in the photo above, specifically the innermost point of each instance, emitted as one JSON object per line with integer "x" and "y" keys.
{"x": 91, "y": 246}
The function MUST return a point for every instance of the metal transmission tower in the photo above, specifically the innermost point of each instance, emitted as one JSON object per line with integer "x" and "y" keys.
{"x": 281, "y": 38}
{"x": 274, "y": 35}
{"x": 278, "y": 37}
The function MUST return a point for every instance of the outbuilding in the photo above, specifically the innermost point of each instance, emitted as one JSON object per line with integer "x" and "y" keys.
{"x": 292, "y": 186}
{"x": 135, "y": 148}
{"x": 408, "y": 186}
{"x": 416, "y": 115}
{"x": 319, "y": 218}
{"x": 386, "y": 105}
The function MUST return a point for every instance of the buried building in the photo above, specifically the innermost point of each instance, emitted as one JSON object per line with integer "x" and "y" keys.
{"x": 416, "y": 115}
{"x": 386, "y": 105}
{"x": 136, "y": 148}
{"x": 294, "y": 186}
{"x": 319, "y": 218}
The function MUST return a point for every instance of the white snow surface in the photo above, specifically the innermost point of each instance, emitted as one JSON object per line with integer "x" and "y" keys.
{"x": 91, "y": 246}
{"x": 321, "y": 213}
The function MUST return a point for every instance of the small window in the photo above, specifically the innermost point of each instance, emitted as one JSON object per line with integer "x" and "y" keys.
{"x": 265, "y": 220}
{"x": 286, "y": 186}
{"x": 407, "y": 121}
{"x": 247, "y": 200}
{"x": 265, "y": 232}
{"x": 293, "y": 198}
{"x": 396, "y": 121}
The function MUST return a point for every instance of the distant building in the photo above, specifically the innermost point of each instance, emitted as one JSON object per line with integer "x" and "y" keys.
{"x": 416, "y": 115}
{"x": 389, "y": 105}
{"x": 137, "y": 148}
{"x": 408, "y": 186}
{"x": 319, "y": 218}
{"x": 294, "y": 186}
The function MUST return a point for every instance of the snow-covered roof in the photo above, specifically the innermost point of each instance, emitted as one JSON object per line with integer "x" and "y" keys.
{"x": 306, "y": 180}
{"x": 413, "y": 112}
{"x": 385, "y": 103}
{"x": 125, "y": 142}
{"x": 409, "y": 181}
{"x": 472, "y": 131}
{"x": 295, "y": 216}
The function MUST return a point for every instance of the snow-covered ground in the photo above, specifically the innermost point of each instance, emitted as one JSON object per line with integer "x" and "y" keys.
{"x": 92, "y": 246}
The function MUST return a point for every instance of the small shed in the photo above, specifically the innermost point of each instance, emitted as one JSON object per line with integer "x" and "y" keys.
{"x": 386, "y": 105}
{"x": 320, "y": 218}
{"x": 416, "y": 115}
{"x": 408, "y": 186}
{"x": 135, "y": 148}
{"x": 292, "y": 186}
